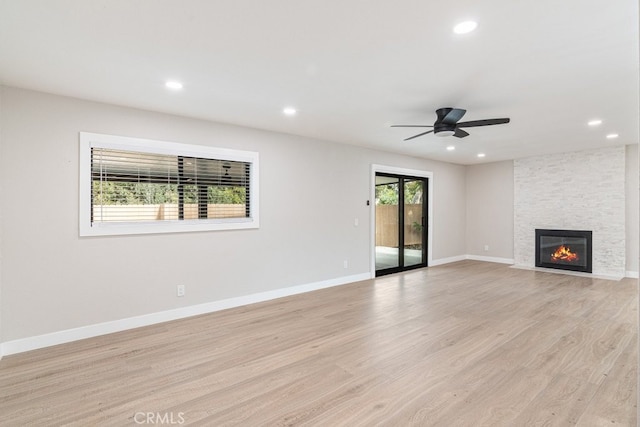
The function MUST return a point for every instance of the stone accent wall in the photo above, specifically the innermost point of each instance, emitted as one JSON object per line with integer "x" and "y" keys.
{"x": 574, "y": 191}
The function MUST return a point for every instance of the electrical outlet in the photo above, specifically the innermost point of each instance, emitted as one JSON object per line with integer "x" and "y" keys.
{"x": 486, "y": 247}
{"x": 180, "y": 290}
{"x": 346, "y": 263}
{"x": 356, "y": 222}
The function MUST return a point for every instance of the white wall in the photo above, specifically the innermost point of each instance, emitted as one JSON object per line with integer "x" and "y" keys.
{"x": 449, "y": 193}
{"x": 632, "y": 188}
{"x": 490, "y": 210}
{"x": 311, "y": 191}
{"x": 1, "y": 202}
{"x": 575, "y": 191}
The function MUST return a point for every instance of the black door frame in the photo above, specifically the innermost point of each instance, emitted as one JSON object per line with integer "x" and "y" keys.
{"x": 401, "y": 225}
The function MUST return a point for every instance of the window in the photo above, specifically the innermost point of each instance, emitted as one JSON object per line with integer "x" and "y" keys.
{"x": 135, "y": 186}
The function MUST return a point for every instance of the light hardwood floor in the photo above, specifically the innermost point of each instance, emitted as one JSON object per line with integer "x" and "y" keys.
{"x": 464, "y": 344}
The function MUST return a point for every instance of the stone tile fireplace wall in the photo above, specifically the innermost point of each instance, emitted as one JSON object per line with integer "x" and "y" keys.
{"x": 573, "y": 191}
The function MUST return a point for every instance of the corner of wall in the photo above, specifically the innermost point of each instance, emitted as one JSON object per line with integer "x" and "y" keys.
{"x": 1, "y": 137}
{"x": 632, "y": 188}
{"x": 489, "y": 210}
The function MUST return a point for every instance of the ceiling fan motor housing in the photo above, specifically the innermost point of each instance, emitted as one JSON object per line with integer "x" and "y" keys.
{"x": 446, "y": 126}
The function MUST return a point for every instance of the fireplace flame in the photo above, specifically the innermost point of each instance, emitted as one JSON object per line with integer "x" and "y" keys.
{"x": 563, "y": 253}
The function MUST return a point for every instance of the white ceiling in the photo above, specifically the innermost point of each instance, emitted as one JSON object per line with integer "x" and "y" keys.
{"x": 350, "y": 67}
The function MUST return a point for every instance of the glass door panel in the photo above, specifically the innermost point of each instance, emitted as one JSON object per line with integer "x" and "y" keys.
{"x": 387, "y": 222}
{"x": 414, "y": 221}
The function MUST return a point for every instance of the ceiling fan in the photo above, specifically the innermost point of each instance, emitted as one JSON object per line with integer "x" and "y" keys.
{"x": 447, "y": 124}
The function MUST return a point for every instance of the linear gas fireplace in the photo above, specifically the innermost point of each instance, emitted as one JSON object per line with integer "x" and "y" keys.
{"x": 564, "y": 249}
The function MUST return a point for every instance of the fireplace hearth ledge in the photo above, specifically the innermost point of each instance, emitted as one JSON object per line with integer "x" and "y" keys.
{"x": 568, "y": 272}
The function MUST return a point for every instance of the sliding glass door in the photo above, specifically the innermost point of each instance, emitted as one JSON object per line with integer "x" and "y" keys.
{"x": 401, "y": 232}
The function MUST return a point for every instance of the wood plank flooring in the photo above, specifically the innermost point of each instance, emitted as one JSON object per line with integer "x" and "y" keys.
{"x": 464, "y": 344}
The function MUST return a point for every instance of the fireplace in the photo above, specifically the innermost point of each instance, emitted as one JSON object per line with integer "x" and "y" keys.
{"x": 564, "y": 249}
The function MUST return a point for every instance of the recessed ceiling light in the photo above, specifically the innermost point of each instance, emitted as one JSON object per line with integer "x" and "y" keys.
{"x": 612, "y": 136}
{"x": 595, "y": 122}
{"x": 465, "y": 27}
{"x": 481, "y": 155}
{"x": 172, "y": 84}
{"x": 451, "y": 148}
{"x": 289, "y": 111}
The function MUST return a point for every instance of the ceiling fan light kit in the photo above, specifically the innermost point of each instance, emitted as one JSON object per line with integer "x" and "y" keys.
{"x": 446, "y": 133}
{"x": 447, "y": 123}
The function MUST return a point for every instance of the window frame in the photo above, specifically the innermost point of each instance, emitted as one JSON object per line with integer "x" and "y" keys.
{"x": 94, "y": 140}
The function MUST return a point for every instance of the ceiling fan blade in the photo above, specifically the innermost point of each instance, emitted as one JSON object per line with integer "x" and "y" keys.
{"x": 486, "y": 122}
{"x": 460, "y": 133}
{"x": 452, "y": 117}
{"x": 420, "y": 134}
{"x": 411, "y": 126}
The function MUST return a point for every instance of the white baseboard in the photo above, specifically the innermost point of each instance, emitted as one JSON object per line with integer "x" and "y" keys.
{"x": 632, "y": 274}
{"x": 69, "y": 335}
{"x": 457, "y": 258}
{"x": 491, "y": 259}
{"x": 449, "y": 260}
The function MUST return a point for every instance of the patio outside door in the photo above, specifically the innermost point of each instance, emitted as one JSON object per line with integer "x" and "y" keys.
{"x": 401, "y": 232}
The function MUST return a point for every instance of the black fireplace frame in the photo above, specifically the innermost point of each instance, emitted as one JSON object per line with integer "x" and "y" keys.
{"x": 588, "y": 235}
